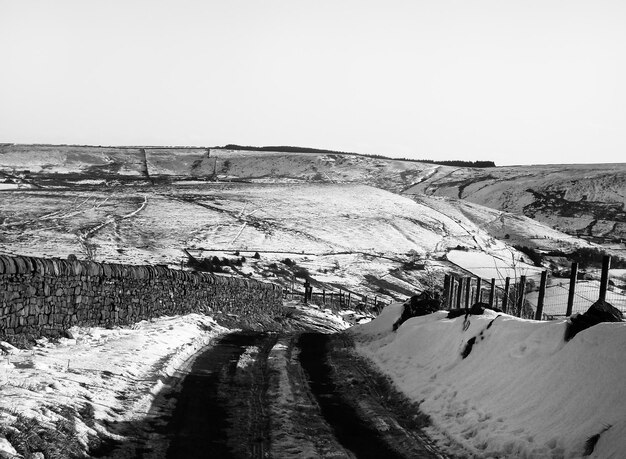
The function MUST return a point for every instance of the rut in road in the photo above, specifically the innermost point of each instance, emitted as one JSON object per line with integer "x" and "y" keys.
{"x": 368, "y": 417}
{"x": 290, "y": 395}
{"x": 220, "y": 411}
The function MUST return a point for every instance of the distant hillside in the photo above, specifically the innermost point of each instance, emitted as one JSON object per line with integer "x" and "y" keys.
{"x": 287, "y": 149}
{"x": 587, "y": 200}
{"x": 583, "y": 200}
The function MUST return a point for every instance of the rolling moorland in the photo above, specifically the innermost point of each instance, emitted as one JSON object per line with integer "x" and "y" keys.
{"x": 366, "y": 225}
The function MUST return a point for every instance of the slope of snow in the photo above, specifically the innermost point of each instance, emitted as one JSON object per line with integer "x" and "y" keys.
{"x": 521, "y": 392}
{"x": 496, "y": 266}
{"x": 585, "y": 198}
{"x": 115, "y": 371}
{"x": 516, "y": 229}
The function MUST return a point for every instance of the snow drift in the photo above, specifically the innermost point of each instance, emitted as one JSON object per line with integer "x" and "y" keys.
{"x": 521, "y": 392}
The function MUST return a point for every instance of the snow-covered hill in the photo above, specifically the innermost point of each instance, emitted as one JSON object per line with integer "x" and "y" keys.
{"x": 586, "y": 200}
{"x": 578, "y": 199}
{"x": 522, "y": 391}
{"x": 355, "y": 236}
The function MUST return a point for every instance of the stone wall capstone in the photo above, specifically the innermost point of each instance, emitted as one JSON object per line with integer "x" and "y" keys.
{"x": 41, "y": 296}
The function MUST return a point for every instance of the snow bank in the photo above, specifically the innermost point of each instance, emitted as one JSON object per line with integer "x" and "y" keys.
{"x": 521, "y": 392}
{"x": 116, "y": 371}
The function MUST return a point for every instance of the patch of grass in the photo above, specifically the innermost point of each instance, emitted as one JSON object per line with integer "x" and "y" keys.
{"x": 289, "y": 262}
{"x": 87, "y": 414}
{"x": 302, "y": 273}
{"x": 29, "y": 436}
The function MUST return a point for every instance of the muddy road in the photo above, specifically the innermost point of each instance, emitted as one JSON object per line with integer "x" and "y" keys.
{"x": 289, "y": 395}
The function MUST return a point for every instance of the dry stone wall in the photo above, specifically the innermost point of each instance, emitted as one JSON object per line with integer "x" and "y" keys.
{"x": 41, "y": 296}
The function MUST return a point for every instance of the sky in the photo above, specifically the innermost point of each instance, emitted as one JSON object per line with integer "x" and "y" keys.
{"x": 515, "y": 82}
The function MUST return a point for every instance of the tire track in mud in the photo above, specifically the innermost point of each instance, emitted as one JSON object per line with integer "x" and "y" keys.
{"x": 288, "y": 395}
{"x": 368, "y": 417}
{"x": 220, "y": 409}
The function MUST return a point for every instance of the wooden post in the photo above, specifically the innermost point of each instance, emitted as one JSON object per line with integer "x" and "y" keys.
{"x": 468, "y": 291}
{"x": 507, "y": 291}
{"x": 306, "y": 291}
{"x": 604, "y": 279}
{"x": 478, "y": 293}
{"x": 324, "y": 297}
{"x": 572, "y": 289}
{"x": 375, "y": 302}
{"x": 452, "y": 293}
{"x": 349, "y": 299}
{"x": 492, "y": 293}
{"x": 542, "y": 295}
{"x": 521, "y": 295}
{"x": 459, "y": 293}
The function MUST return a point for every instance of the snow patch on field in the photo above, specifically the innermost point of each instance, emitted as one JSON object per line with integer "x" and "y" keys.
{"x": 521, "y": 392}
{"x": 116, "y": 371}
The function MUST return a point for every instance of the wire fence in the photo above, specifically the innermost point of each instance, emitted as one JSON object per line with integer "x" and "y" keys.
{"x": 544, "y": 297}
{"x": 337, "y": 300}
{"x": 585, "y": 293}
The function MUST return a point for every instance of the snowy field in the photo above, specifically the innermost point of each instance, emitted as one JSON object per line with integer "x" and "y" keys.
{"x": 354, "y": 236}
{"x": 498, "y": 265}
{"x": 521, "y": 392}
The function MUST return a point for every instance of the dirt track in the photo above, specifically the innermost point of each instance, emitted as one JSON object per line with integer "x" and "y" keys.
{"x": 289, "y": 395}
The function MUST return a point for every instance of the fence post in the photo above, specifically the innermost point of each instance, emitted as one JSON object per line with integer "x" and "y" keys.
{"x": 451, "y": 294}
{"x": 507, "y": 291}
{"x": 324, "y": 297}
{"x": 604, "y": 279}
{"x": 492, "y": 292}
{"x": 349, "y": 299}
{"x": 375, "y": 302}
{"x": 521, "y": 295}
{"x": 479, "y": 281}
{"x": 446, "y": 291}
{"x": 468, "y": 288}
{"x": 542, "y": 295}
{"x": 572, "y": 289}
{"x": 459, "y": 293}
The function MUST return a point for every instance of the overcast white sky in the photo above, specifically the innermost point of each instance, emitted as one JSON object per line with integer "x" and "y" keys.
{"x": 517, "y": 82}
